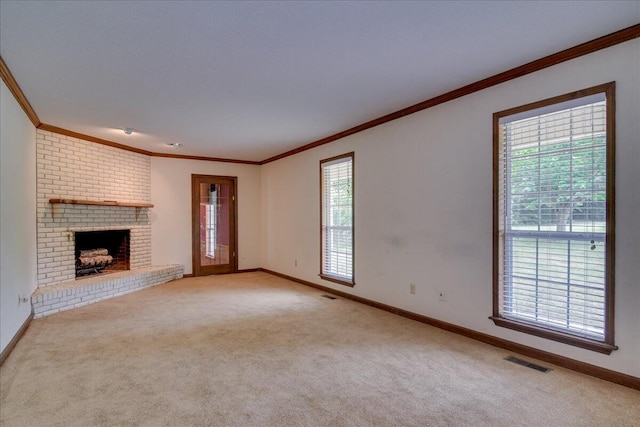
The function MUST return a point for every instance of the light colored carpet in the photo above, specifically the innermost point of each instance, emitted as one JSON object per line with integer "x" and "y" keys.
{"x": 256, "y": 350}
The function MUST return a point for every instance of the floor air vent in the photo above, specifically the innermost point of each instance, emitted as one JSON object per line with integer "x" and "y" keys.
{"x": 328, "y": 297}
{"x": 527, "y": 364}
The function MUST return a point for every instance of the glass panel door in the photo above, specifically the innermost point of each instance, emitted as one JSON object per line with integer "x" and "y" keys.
{"x": 213, "y": 225}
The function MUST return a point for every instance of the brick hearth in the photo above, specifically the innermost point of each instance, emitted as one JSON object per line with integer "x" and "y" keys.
{"x": 65, "y": 296}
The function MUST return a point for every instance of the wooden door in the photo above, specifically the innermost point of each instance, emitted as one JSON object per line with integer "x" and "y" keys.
{"x": 214, "y": 224}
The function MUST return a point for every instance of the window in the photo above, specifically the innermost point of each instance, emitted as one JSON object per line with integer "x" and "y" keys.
{"x": 554, "y": 218}
{"x": 336, "y": 201}
{"x": 210, "y": 223}
{"x": 210, "y": 231}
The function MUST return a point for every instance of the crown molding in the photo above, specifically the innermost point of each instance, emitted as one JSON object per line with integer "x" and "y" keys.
{"x": 62, "y": 131}
{"x": 209, "y": 159}
{"x": 586, "y": 48}
{"x": 14, "y": 87}
{"x": 90, "y": 138}
{"x": 528, "y": 68}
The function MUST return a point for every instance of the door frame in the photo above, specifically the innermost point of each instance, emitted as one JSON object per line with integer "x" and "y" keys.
{"x": 196, "y": 180}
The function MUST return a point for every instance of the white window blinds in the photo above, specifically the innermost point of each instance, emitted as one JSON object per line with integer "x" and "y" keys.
{"x": 552, "y": 217}
{"x": 337, "y": 218}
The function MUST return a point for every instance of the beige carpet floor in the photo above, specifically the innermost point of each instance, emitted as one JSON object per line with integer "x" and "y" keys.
{"x": 256, "y": 350}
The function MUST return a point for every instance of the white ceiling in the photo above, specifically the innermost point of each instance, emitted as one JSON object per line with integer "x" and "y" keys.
{"x": 250, "y": 80}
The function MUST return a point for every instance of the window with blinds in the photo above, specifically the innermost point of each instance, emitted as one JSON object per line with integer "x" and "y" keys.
{"x": 336, "y": 177}
{"x": 553, "y": 218}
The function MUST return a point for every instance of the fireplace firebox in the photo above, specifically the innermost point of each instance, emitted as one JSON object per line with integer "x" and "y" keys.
{"x": 101, "y": 251}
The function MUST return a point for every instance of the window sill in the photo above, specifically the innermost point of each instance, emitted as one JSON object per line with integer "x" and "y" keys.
{"x": 340, "y": 281}
{"x": 585, "y": 343}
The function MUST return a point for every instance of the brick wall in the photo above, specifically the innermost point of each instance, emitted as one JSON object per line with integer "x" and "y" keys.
{"x": 71, "y": 168}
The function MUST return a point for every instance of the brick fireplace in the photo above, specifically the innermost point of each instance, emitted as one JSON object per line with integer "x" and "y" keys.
{"x": 71, "y": 168}
{"x": 93, "y": 202}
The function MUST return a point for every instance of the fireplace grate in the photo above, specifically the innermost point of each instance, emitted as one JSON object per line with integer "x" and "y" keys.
{"x": 101, "y": 251}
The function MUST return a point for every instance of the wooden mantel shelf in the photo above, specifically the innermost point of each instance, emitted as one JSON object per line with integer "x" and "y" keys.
{"x": 138, "y": 206}
{"x": 99, "y": 203}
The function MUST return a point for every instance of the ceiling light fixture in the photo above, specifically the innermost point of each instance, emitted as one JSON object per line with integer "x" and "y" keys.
{"x": 128, "y": 131}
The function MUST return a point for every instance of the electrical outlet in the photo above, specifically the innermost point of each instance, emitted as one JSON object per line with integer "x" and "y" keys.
{"x": 23, "y": 299}
{"x": 412, "y": 289}
{"x": 442, "y": 296}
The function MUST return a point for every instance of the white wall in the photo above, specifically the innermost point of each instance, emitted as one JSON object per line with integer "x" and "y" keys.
{"x": 17, "y": 215}
{"x": 423, "y": 205}
{"x": 171, "y": 214}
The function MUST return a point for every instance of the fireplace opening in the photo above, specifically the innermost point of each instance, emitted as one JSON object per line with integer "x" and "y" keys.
{"x": 101, "y": 251}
